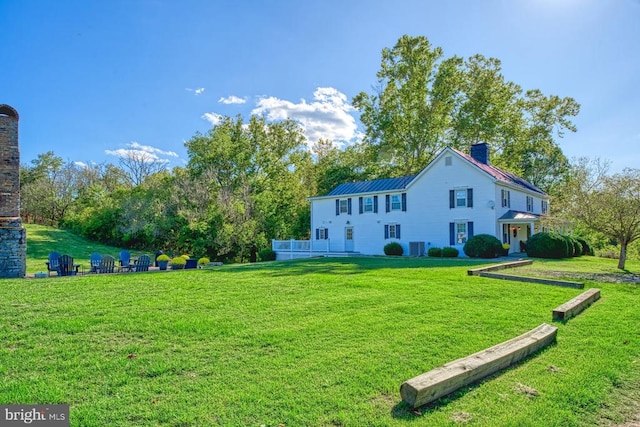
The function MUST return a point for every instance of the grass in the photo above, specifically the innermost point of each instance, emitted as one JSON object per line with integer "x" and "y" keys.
{"x": 42, "y": 240}
{"x": 312, "y": 342}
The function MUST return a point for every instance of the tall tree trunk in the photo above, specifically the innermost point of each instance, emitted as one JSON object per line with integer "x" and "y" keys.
{"x": 623, "y": 255}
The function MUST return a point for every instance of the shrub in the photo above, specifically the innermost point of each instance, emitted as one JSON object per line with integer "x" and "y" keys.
{"x": 576, "y": 247}
{"x": 483, "y": 246}
{"x": 586, "y": 247}
{"x": 449, "y": 252}
{"x": 547, "y": 245}
{"x": 434, "y": 252}
{"x": 267, "y": 254}
{"x": 178, "y": 263}
{"x": 204, "y": 261}
{"x": 393, "y": 248}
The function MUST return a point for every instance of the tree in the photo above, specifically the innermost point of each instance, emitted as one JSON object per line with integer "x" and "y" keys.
{"x": 609, "y": 204}
{"x": 140, "y": 164}
{"x": 424, "y": 101}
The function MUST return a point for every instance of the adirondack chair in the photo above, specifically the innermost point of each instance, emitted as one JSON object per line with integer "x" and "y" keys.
{"x": 54, "y": 263}
{"x": 66, "y": 266}
{"x": 106, "y": 264}
{"x": 142, "y": 263}
{"x": 125, "y": 260}
{"x": 94, "y": 260}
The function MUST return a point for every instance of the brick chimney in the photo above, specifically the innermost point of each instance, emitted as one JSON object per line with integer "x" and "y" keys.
{"x": 480, "y": 152}
{"x": 13, "y": 237}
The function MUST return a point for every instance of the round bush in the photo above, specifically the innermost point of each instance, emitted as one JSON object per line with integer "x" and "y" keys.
{"x": 434, "y": 252}
{"x": 449, "y": 252}
{"x": 547, "y": 245}
{"x": 586, "y": 247}
{"x": 576, "y": 247}
{"x": 483, "y": 246}
{"x": 393, "y": 248}
{"x": 204, "y": 261}
{"x": 163, "y": 257}
{"x": 267, "y": 255}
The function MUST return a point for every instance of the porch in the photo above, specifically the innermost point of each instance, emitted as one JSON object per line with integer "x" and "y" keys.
{"x": 517, "y": 227}
{"x": 293, "y": 249}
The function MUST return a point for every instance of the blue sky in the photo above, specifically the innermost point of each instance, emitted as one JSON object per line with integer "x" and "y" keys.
{"x": 92, "y": 79}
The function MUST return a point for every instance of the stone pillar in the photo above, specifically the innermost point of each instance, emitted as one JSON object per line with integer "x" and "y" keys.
{"x": 13, "y": 237}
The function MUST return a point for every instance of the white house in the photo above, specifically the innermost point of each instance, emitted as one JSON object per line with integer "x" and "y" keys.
{"x": 455, "y": 197}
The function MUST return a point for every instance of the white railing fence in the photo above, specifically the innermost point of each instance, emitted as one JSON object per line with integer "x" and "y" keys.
{"x": 287, "y": 248}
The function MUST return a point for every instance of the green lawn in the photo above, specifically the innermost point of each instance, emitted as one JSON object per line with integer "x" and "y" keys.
{"x": 314, "y": 342}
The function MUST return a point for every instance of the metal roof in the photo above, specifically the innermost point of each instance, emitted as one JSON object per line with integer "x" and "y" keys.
{"x": 516, "y": 215}
{"x": 501, "y": 175}
{"x": 378, "y": 185}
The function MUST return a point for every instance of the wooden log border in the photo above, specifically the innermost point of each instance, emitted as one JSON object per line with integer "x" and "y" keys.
{"x": 576, "y": 305}
{"x": 495, "y": 267}
{"x": 461, "y": 372}
{"x": 553, "y": 282}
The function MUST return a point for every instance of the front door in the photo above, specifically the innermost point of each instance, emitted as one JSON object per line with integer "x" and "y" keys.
{"x": 348, "y": 239}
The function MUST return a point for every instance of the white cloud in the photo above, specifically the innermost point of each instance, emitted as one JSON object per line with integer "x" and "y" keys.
{"x": 197, "y": 91}
{"x": 327, "y": 117}
{"x": 145, "y": 152}
{"x": 232, "y": 100}
{"x": 81, "y": 165}
{"x": 213, "y": 118}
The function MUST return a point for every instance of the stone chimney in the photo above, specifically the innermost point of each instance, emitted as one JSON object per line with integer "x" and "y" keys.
{"x": 13, "y": 237}
{"x": 480, "y": 152}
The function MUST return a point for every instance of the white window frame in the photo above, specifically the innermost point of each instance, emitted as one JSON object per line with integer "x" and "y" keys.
{"x": 462, "y": 199}
{"x": 344, "y": 206}
{"x": 529, "y": 204}
{"x": 462, "y": 232}
{"x": 396, "y": 203}
{"x": 392, "y": 231}
{"x": 544, "y": 206}
{"x": 506, "y": 198}
{"x": 367, "y": 205}
{"x": 322, "y": 233}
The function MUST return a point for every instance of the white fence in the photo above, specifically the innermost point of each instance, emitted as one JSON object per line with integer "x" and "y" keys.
{"x": 290, "y": 249}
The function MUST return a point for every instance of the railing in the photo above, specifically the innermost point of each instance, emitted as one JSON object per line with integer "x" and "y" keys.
{"x": 285, "y": 247}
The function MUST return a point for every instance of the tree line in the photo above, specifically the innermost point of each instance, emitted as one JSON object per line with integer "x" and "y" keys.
{"x": 246, "y": 183}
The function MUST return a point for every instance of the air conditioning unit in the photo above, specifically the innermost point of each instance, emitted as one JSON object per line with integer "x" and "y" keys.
{"x": 416, "y": 248}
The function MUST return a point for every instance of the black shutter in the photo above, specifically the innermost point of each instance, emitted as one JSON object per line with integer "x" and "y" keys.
{"x": 404, "y": 202}
{"x": 452, "y": 199}
{"x": 375, "y": 204}
{"x": 398, "y": 231}
{"x": 326, "y": 233}
{"x": 317, "y": 234}
{"x": 469, "y": 229}
{"x": 360, "y": 204}
{"x": 452, "y": 233}
{"x": 469, "y": 197}
{"x": 349, "y": 206}
{"x": 386, "y": 231}
{"x": 337, "y": 206}
{"x": 387, "y": 201}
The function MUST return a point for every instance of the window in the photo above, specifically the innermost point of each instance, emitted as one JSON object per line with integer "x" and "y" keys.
{"x": 392, "y": 231}
{"x": 368, "y": 204}
{"x": 529, "y": 204}
{"x": 447, "y": 161}
{"x": 322, "y": 233}
{"x": 343, "y": 206}
{"x": 396, "y": 204}
{"x": 506, "y": 198}
{"x": 545, "y": 206}
{"x": 461, "y": 232}
{"x": 461, "y": 198}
